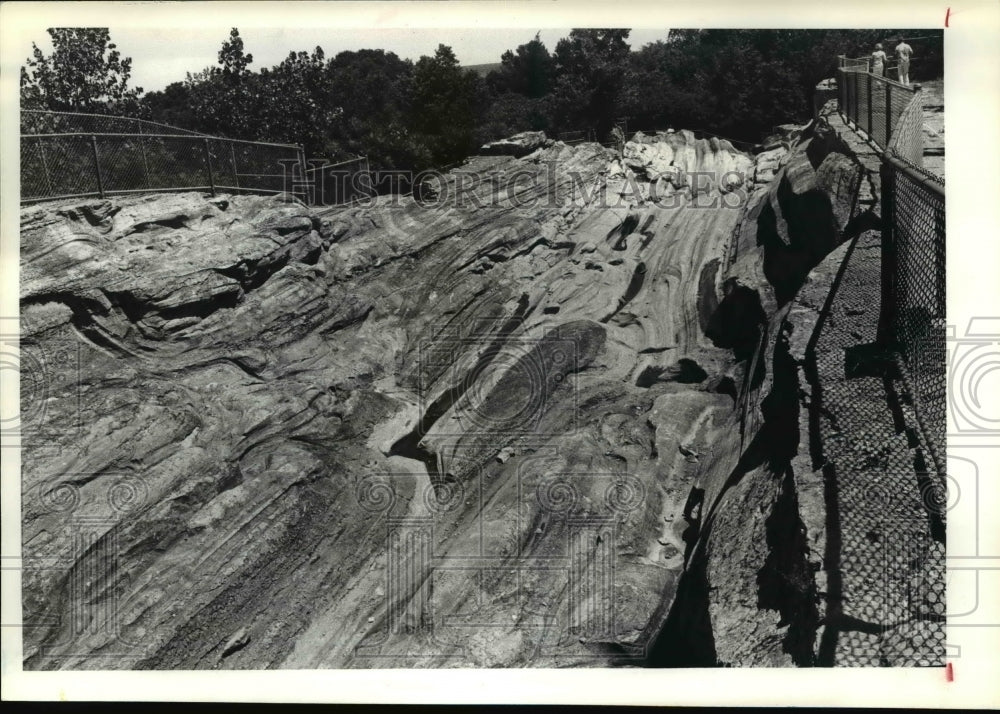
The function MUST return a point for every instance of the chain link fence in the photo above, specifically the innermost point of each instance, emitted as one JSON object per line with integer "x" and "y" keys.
{"x": 575, "y": 137}
{"x": 907, "y": 139}
{"x": 65, "y": 155}
{"x": 913, "y": 237}
{"x": 877, "y": 105}
{"x": 913, "y": 241}
{"x": 877, "y": 405}
{"x": 913, "y": 212}
{"x": 340, "y": 183}
{"x": 877, "y": 423}
{"x": 37, "y": 121}
{"x": 75, "y": 165}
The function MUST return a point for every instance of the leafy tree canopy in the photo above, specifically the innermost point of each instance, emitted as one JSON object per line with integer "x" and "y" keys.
{"x": 84, "y": 73}
{"x": 447, "y": 101}
{"x": 527, "y": 70}
{"x": 590, "y": 70}
{"x": 413, "y": 115}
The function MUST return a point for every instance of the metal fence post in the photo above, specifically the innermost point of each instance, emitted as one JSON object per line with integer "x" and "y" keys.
{"x": 142, "y": 151}
{"x": 871, "y": 109}
{"x": 852, "y": 90}
{"x": 232, "y": 157}
{"x": 369, "y": 185}
{"x": 840, "y": 92}
{"x": 208, "y": 163}
{"x": 845, "y": 110}
{"x": 97, "y": 166}
{"x": 847, "y": 97}
{"x": 45, "y": 166}
{"x": 854, "y": 99}
{"x": 844, "y": 95}
{"x": 310, "y": 194}
{"x": 888, "y": 114}
{"x": 887, "y": 313}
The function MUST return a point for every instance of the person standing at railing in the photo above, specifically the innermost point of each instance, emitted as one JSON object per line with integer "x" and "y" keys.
{"x": 903, "y": 54}
{"x": 878, "y": 61}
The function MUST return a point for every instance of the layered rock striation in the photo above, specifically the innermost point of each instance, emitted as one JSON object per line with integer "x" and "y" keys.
{"x": 487, "y": 429}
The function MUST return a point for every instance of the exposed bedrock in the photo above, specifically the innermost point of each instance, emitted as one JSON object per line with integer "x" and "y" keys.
{"x": 751, "y": 593}
{"x": 517, "y": 145}
{"x": 495, "y": 429}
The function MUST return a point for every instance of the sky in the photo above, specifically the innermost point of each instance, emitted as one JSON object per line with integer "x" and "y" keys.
{"x": 160, "y": 57}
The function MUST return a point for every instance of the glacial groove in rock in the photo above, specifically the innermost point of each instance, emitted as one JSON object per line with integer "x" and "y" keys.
{"x": 411, "y": 435}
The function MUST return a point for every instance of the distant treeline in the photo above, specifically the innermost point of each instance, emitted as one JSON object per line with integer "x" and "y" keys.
{"x": 432, "y": 112}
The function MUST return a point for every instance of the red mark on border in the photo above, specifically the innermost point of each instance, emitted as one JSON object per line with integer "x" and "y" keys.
{"x": 949, "y": 675}
{"x": 947, "y": 15}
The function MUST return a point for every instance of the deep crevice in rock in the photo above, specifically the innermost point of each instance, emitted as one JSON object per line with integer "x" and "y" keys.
{"x": 785, "y": 582}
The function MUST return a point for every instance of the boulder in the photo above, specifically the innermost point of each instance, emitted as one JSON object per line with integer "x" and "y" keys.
{"x": 684, "y": 162}
{"x": 517, "y": 145}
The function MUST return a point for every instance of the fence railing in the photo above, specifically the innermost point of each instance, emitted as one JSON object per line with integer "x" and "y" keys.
{"x": 864, "y": 64}
{"x": 339, "y": 183}
{"x": 853, "y": 63}
{"x": 875, "y": 105}
{"x": 576, "y": 137}
{"x": 67, "y": 155}
{"x": 77, "y": 164}
{"x": 913, "y": 241}
{"x": 38, "y": 121}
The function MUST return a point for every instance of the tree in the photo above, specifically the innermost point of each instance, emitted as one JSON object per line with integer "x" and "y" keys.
{"x": 510, "y": 113}
{"x": 447, "y": 103}
{"x": 527, "y": 71}
{"x": 375, "y": 88}
{"x": 223, "y": 97}
{"x": 590, "y": 69}
{"x": 293, "y": 102}
{"x": 84, "y": 73}
{"x": 233, "y": 60}
{"x": 171, "y": 105}
{"x": 739, "y": 83}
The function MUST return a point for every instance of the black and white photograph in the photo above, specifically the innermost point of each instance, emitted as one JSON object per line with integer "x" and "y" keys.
{"x": 599, "y": 347}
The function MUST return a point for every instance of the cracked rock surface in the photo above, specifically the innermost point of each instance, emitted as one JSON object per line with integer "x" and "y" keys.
{"x": 465, "y": 432}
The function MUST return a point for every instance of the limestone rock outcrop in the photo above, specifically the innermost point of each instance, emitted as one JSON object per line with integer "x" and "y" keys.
{"x": 470, "y": 432}
{"x": 517, "y": 145}
{"x": 685, "y": 162}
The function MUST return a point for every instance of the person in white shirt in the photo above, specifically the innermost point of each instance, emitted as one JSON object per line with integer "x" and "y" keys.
{"x": 878, "y": 61}
{"x": 903, "y": 54}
